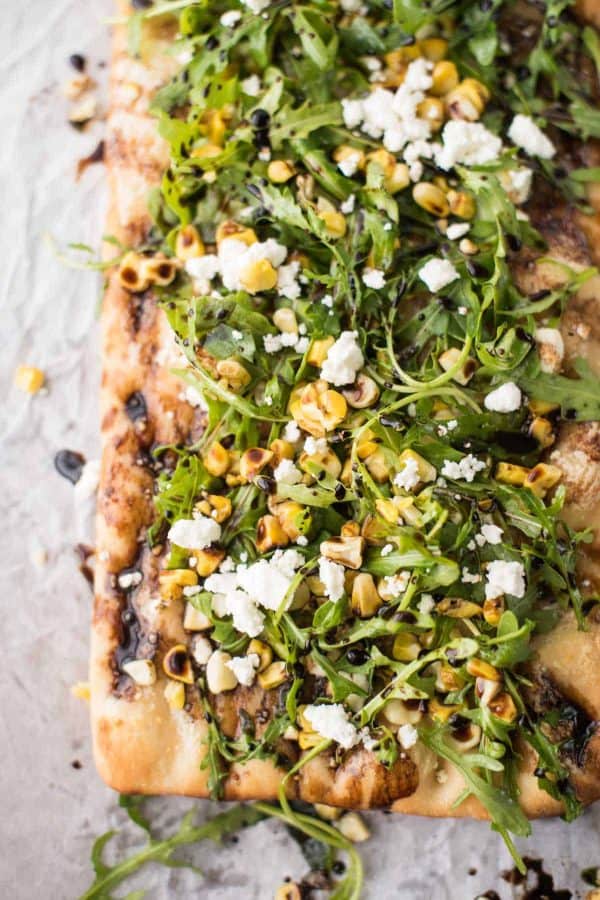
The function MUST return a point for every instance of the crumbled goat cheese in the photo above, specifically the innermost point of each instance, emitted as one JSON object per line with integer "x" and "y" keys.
{"x": 257, "y": 6}
{"x": 408, "y": 476}
{"x": 202, "y": 269}
{"x": 395, "y": 585}
{"x": 344, "y": 360}
{"x": 551, "y": 349}
{"x": 347, "y": 206}
{"x": 504, "y": 578}
{"x": 195, "y": 534}
{"x": 489, "y": 534}
{"x": 251, "y": 85}
{"x": 469, "y": 143}
{"x": 244, "y": 667}
{"x": 458, "y": 230}
{"x": 332, "y": 576}
{"x": 349, "y": 165}
{"x": 408, "y": 736}
{"x": 331, "y": 721}
{"x": 373, "y": 278}
{"x": 437, "y": 273}
{"x": 506, "y": 398}
{"x": 315, "y": 446}
{"x": 426, "y": 604}
{"x": 387, "y": 549}
{"x": 529, "y": 137}
{"x": 292, "y": 432}
{"x": 287, "y": 283}
{"x": 230, "y": 18}
{"x": 268, "y": 581}
{"x": 202, "y": 649}
{"x": 517, "y": 184}
{"x": 469, "y": 577}
{"x": 287, "y": 473}
{"x": 464, "y": 470}
{"x": 129, "y": 579}
{"x": 350, "y": 6}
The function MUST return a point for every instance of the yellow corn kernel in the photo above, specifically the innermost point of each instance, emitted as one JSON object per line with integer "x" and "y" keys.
{"x": 335, "y": 223}
{"x": 317, "y": 408}
{"x": 440, "y": 712}
{"x": 425, "y": 470}
{"x": 260, "y": 275}
{"x": 309, "y": 739}
{"x": 365, "y": 600}
{"x": 159, "y": 269}
{"x": 445, "y": 78}
{"x": 171, "y": 582}
{"x": 263, "y": 651}
{"x": 234, "y": 374}
{"x": 493, "y": 609}
{"x": 345, "y": 550}
{"x": 378, "y": 466}
{"x": 207, "y": 151}
{"x": 467, "y": 100}
{"x": 407, "y": 511}
{"x": 433, "y": 48}
{"x": 345, "y": 152}
{"x": 318, "y": 350}
{"x": 447, "y": 679}
{"x": 372, "y": 530}
{"x": 350, "y": 529}
{"x": 542, "y": 431}
{"x": 279, "y": 171}
{"x": 432, "y": 110}
{"x": 188, "y": 243}
{"x": 285, "y": 320}
{"x": 346, "y": 473}
{"x": 388, "y": 510}
{"x": 461, "y": 204}
{"x": 273, "y": 676}
{"x": 542, "y": 478}
{"x": 270, "y": 534}
{"x": 450, "y": 357}
{"x": 217, "y": 460}
{"x": 503, "y": 707}
{"x": 175, "y": 694}
{"x": 177, "y": 664}
{"x": 253, "y": 461}
{"x": 542, "y": 407}
{"x": 220, "y": 507}
{"x": 281, "y": 450}
{"x": 293, "y": 518}
{"x": 326, "y": 460}
{"x": 431, "y": 198}
{"x": 457, "y": 608}
{"x": 208, "y": 560}
{"x": 82, "y": 690}
{"x": 132, "y": 273}
{"x": 397, "y": 179}
{"x": 508, "y": 473}
{"x": 214, "y": 121}
{"x": 231, "y": 229}
{"x": 405, "y": 647}
{"x": 399, "y": 59}
{"x": 29, "y": 379}
{"x": 479, "y": 668}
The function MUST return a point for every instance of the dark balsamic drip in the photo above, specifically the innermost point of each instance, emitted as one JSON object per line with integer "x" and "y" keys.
{"x": 514, "y": 442}
{"x": 135, "y": 406}
{"x": 78, "y": 62}
{"x": 69, "y": 464}
{"x": 84, "y": 552}
{"x": 96, "y": 156}
{"x": 536, "y": 884}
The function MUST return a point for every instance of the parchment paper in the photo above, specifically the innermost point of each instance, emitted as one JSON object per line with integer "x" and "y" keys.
{"x": 50, "y": 810}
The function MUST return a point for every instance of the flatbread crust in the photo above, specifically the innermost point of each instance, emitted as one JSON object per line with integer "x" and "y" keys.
{"x": 143, "y": 746}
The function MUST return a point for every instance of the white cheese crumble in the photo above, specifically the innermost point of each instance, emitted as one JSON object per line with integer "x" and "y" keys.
{"x": 331, "y": 721}
{"x": 202, "y": 649}
{"x": 344, "y": 360}
{"x": 506, "y": 398}
{"x": 347, "y": 206}
{"x": 332, "y": 576}
{"x": 457, "y": 230}
{"x": 129, "y": 579}
{"x": 373, "y": 278}
{"x": 315, "y": 446}
{"x": 489, "y": 534}
{"x": 387, "y": 549}
{"x": 395, "y": 585}
{"x": 349, "y": 165}
{"x": 517, "y": 184}
{"x": 469, "y": 143}
{"x": 551, "y": 349}
{"x": 287, "y": 280}
{"x": 292, "y": 432}
{"x": 244, "y": 667}
{"x": 437, "y": 273}
{"x": 408, "y": 736}
{"x": 230, "y": 18}
{"x": 287, "y": 473}
{"x": 464, "y": 470}
{"x": 195, "y": 534}
{"x": 408, "y": 476}
{"x": 504, "y": 578}
{"x": 257, "y": 6}
{"x": 469, "y": 577}
{"x": 426, "y": 604}
{"x": 251, "y": 85}
{"x": 529, "y": 137}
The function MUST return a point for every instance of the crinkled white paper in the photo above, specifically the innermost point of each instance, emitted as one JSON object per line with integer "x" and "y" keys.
{"x": 50, "y": 810}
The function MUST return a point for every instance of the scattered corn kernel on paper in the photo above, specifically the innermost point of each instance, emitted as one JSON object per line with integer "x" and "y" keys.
{"x": 54, "y": 804}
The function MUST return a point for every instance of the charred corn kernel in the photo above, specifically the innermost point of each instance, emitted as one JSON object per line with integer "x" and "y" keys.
{"x": 81, "y": 690}
{"x": 365, "y": 600}
{"x": 542, "y": 478}
{"x": 493, "y": 609}
{"x": 288, "y": 891}
{"x": 398, "y": 59}
{"x": 405, "y": 647}
{"x": 397, "y": 178}
{"x": 372, "y": 530}
{"x": 175, "y": 694}
{"x": 335, "y": 223}
{"x": 231, "y": 229}
{"x": 29, "y": 379}
{"x": 397, "y": 712}
{"x": 294, "y": 518}
{"x": 317, "y": 408}
{"x": 345, "y": 550}
{"x": 363, "y": 393}
{"x": 263, "y": 651}
{"x": 273, "y": 676}
{"x": 467, "y": 100}
{"x": 315, "y": 586}
{"x": 214, "y": 120}
{"x": 479, "y": 668}
{"x": 509, "y": 473}
{"x": 195, "y": 620}
{"x": 486, "y": 690}
{"x": 329, "y": 813}
{"x": 445, "y": 78}
{"x": 433, "y": 48}
{"x": 353, "y": 154}
{"x": 440, "y": 711}
{"x": 354, "y": 828}
{"x": 450, "y": 357}
{"x": 431, "y": 198}
{"x": 309, "y": 739}
{"x": 142, "y": 671}
{"x": 457, "y": 608}
{"x": 160, "y": 270}
{"x": 279, "y": 171}
{"x": 281, "y": 450}
{"x": 285, "y": 320}
{"x": 217, "y": 460}
{"x": 270, "y": 534}
{"x": 461, "y": 204}
{"x": 219, "y": 676}
{"x": 177, "y": 664}
{"x": 318, "y": 350}
{"x": 542, "y": 431}
{"x": 188, "y": 243}
{"x": 387, "y": 509}
{"x": 466, "y": 737}
{"x": 208, "y": 560}
{"x": 233, "y": 373}
{"x": 346, "y": 473}
{"x": 326, "y": 460}
{"x": 350, "y": 529}
{"x": 503, "y": 707}
{"x": 378, "y": 466}
{"x": 447, "y": 679}
{"x": 207, "y": 151}
{"x": 468, "y": 247}
{"x": 366, "y": 445}
{"x": 425, "y": 470}
{"x": 432, "y": 110}
{"x": 260, "y": 275}
{"x": 253, "y": 461}
{"x": 407, "y": 511}
{"x": 217, "y": 507}
{"x": 542, "y": 407}
{"x": 172, "y": 582}
{"x": 442, "y": 182}
{"x": 132, "y": 273}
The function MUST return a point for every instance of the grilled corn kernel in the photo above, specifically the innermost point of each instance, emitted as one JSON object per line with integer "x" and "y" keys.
{"x": 378, "y": 466}
{"x": 175, "y": 694}
{"x": 335, "y": 223}
{"x": 405, "y": 647}
{"x": 289, "y": 891}
{"x": 219, "y": 676}
{"x": 350, "y": 529}
{"x": 397, "y": 178}
{"x": 388, "y": 510}
{"x": 326, "y": 460}
{"x": 467, "y": 100}
{"x": 346, "y": 473}
{"x": 461, "y": 204}
{"x": 208, "y": 560}
{"x": 365, "y": 600}
{"x": 259, "y": 276}
{"x": 317, "y": 408}
{"x": 431, "y": 198}
{"x": 493, "y": 609}
{"x": 172, "y": 582}
{"x": 399, "y": 59}
{"x": 281, "y": 450}
{"x": 142, "y": 671}
{"x": 294, "y": 518}
{"x": 363, "y": 393}
{"x": 273, "y": 676}
{"x": 216, "y": 506}
{"x": 466, "y": 738}
{"x": 457, "y": 608}
{"x": 354, "y": 828}
{"x": 329, "y": 813}
{"x": 81, "y": 690}
{"x": 279, "y": 171}
{"x": 177, "y": 664}
{"x": 542, "y": 478}
{"x": 433, "y": 48}
{"x": 425, "y": 470}
{"x": 345, "y": 550}
{"x": 270, "y": 534}
{"x": 217, "y": 460}
{"x": 372, "y": 530}
{"x": 318, "y": 350}
{"x": 263, "y": 651}
{"x": 407, "y": 511}
{"x": 29, "y": 379}
{"x": 195, "y": 620}
{"x": 233, "y": 373}
{"x": 188, "y": 243}
{"x": 432, "y": 110}
{"x": 486, "y": 690}
{"x": 207, "y": 151}
{"x": 509, "y": 473}
{"x": 503, "y": 707}
{"x": 479, "y": 668}
{"x": 352, "y": 154}
{"x": 542, "y": 407}
{"x": 447, "y": 679}
{"x": 445, "y": 78}
{"x": 309, "y": 739}
{"x": 397, "y": 712}
{"x": 160, "y": 270}
{"x": 231, "y": 229}
{"x": 285, "y": 320}
{"x": 542, "y": 431}
{"x": 450, "y": 357}
{"x": 440, "y": 711}
{"x": 253, "y": 461}
{"x": 132, "y": 273}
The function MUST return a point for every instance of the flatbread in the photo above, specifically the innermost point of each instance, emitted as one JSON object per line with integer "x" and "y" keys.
{"x": 141, "y": 744}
